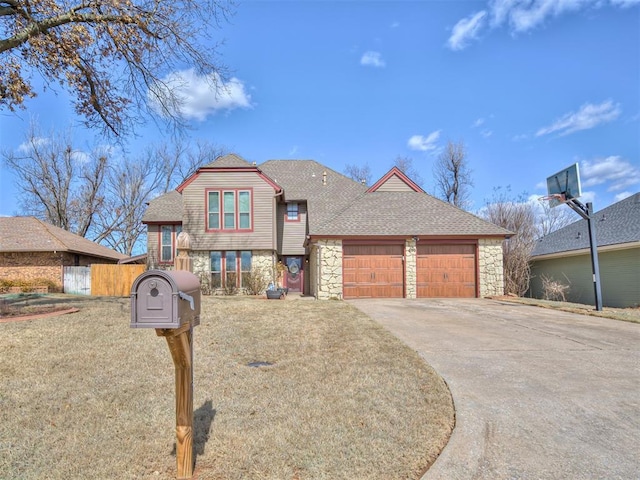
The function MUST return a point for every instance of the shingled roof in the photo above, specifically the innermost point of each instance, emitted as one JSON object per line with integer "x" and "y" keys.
{"x": 165, "y": 208}
{"x": 617, "y": 224}
{"x": 305, "y": 180}
{"x": 406, "y": 213}
{"x": 28, "y": 234}
{"x": 228, "y": 161}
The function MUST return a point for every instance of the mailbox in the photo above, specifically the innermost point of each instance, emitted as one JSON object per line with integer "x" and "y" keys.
{"x": 165, "y": 299}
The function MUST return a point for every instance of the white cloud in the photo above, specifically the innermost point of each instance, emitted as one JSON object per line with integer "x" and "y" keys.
{"x": 486, "y": 133}
{"x": 618, "y": 173}
{"x": 521, "y": 16}
{"x": 465, "y": 30}
{"x": 422, "y": 143}
{"x": 395, "y": 24}
{"x": 478, "y": 122}
{"x": 200, "y": 96}
{"x": 33, "y": 143}
{"x": 587, "y": 117}
{"x": 372, "y": 59}
{"x": 622, "y": 196}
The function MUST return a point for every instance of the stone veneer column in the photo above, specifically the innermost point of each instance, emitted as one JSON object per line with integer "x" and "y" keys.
{"x": 201, "y": 262}
{"x": 329, "y": 269}
{"x": 410, "y": 268}
{"x": 491, "y": 267}
{"x": 265, "y": 261}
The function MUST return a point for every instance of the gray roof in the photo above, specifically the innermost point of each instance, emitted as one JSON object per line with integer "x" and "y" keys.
{"x": 342, "y": 206}
{"x": 407, "y": 213}
{"x": 165, "y": 208}
{"x": 617, "y": 224}
{"x": 303, "y": 180}
{"x": 28, "y": 234}
{"x": 228, "y": 161}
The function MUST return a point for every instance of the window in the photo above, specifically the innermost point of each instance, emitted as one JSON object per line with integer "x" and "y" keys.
{"x": 245, "y": 267}
{"x": 229, "y": 210}
{"x": 226, "y": 265}
{"x": 216, "y": 269}
{"x": 231, "y": 277}
{"x": 244, "y": 208}
{"x": 168, "y": 235}
{"x": 292, "y": 212}
{"x": 214, "y": 211}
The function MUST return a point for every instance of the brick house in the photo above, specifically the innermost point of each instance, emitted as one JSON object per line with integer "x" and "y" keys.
{"x": 32, "y": 249}
{"x": 336, "y": 237}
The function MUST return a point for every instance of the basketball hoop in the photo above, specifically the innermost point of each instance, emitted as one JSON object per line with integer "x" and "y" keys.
{"x": 554, "y": 199}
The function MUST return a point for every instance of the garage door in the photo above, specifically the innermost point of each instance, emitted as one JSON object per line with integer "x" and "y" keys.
{"x": 373, "y": 271}
{"x": 446, "y": 271}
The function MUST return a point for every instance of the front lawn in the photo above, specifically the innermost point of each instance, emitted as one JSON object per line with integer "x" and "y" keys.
{"x": 288, "y": 389}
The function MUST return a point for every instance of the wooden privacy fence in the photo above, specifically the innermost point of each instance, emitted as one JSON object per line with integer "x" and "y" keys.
{"x": 114, "y": 280}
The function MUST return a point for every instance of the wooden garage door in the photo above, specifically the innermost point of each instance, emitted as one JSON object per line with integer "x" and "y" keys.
{"x": 446, "y": 271}
{"x": 373, "y": 271}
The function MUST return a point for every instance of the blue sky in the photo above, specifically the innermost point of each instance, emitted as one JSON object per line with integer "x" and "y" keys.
{"x": 530, "y": 87}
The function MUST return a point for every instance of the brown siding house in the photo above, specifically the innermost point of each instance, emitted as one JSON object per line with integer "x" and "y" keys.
{"x": 335, "y": 237}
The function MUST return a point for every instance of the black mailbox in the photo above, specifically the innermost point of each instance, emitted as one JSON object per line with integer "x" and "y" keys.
{"x": 165, "y": 299}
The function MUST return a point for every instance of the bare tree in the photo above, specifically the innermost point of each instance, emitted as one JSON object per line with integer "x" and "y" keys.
{"x": 452, "y": 175}
{"x": 519, "y": 216}
{"x": 110, "y": 55}
{"x": 132, "y": 183}
{"x": 552, "y": 219}
{"x": 57, "y": 183}
{"x": 97, "y": 195}
{"x": 361, "y": 174}
{"x": 405, "y": 164}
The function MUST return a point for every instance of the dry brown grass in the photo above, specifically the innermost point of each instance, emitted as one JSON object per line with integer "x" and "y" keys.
{"x": 624, "y": 314}
{"x": 85, "y": 396}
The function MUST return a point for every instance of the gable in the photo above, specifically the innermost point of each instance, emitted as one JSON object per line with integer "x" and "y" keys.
{"x": 395, "y": 181}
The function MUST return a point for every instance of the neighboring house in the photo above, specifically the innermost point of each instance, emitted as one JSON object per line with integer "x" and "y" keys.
{"x": 32, "y": 249}
{"x": 336, "y": 237}
{"x": 565, "y": 257}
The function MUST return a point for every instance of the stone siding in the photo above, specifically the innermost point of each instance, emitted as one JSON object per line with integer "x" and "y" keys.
{"x": 490, "y": 265}
{"x": 327, "y": 262}
{"x": 410, "y": 268}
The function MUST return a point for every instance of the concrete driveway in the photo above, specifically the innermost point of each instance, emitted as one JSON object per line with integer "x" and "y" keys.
{"x": 539, "y": 394}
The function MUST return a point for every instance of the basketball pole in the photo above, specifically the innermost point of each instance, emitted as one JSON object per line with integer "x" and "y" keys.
{"x": 586, "y": 212}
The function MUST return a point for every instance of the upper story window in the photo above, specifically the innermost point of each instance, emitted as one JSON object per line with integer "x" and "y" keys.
{"x": 229, "y": 210}
{"x": 292, "y": 212}
{"x": 168, "y": 236}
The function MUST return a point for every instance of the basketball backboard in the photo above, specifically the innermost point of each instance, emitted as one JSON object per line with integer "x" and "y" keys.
{"x": 566, "y": 182}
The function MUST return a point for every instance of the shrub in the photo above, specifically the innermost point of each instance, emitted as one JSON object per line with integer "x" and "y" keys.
{"x": 256, "y": 281}
{"x": 553, "y": 290}
{"x": 230, "y": 287}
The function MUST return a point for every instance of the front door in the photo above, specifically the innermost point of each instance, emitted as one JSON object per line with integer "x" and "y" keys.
{"x": 294, "y": 275}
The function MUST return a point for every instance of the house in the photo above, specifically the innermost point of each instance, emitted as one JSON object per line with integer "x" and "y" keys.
{"x": 32, "y": 249}
{"x": 333, "y": 237}
{"x": 565, "y": 257}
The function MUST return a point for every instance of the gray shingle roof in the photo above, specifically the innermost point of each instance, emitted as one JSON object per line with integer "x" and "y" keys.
{"x": 407, "y": 213}
{"x": 303, "y": 180}
{"x": 28, "y": 234}
{"x": 342, "y": 206}
{"x": 617, "y": 224}
{"x": 228, "y": 161}
{"x": 165, "y": 208}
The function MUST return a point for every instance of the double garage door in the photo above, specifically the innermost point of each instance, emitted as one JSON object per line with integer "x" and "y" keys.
{"x": 371, "y": 271}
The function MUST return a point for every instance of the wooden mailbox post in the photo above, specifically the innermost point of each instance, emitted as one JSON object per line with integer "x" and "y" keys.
{"x": 160, "y": 309}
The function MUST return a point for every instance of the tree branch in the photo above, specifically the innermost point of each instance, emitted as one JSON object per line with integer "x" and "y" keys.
{"x": 38, "y": 28}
